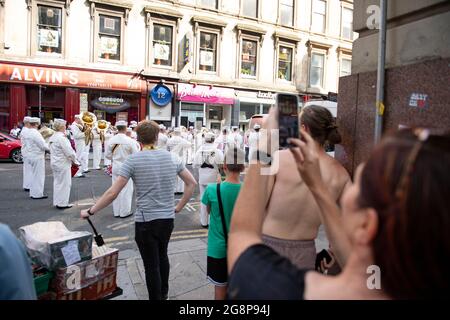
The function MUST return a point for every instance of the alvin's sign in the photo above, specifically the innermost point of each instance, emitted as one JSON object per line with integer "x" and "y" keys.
{"x": 68, "y": 77}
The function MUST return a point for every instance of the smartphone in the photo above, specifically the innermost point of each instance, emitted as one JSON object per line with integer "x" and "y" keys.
{"x": 287, "y": 105}
{"x": 320, "y": 256}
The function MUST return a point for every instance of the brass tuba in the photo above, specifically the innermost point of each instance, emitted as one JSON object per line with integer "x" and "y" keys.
{"x": 46, "y": 132}
{"x": 88, "y": 119}
{"x": 102, "y": 126}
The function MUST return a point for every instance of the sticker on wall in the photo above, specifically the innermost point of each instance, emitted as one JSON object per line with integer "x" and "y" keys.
{"x": 419, "y": 100}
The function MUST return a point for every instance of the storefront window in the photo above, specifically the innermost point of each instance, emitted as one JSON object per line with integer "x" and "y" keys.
{"x": 109, "y": 37}
{"x": 162, "y": 45}
{"x": 266, "y": 108}
{"x": 285, "y": 63}
{"x": 247, "y": 110}
{"x": 113, "y": 105}
{"x": 248, "y": 58}
{"x": 49, "y": 31}
{"x": 215, "y": 113}
{"x": 208, "y": 50}
{"x": 4, "y": 108}
{"x": 191, "y": 115}
{"x": 45, "y": 102}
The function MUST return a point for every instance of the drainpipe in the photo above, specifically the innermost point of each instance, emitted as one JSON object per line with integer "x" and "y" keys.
{"x": 381, "y": 72}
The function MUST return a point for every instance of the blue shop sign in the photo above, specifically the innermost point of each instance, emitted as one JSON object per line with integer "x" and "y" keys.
{"x": 161, "y": 95}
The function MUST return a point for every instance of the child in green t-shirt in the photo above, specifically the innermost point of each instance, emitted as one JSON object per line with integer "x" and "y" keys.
{"x": 217, "y": 246}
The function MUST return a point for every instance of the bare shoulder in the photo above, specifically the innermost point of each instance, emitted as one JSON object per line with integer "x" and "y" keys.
{"x": 336, "y": 172}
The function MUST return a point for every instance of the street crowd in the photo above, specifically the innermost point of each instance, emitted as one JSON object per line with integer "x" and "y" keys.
{"x": 393, "y": 214}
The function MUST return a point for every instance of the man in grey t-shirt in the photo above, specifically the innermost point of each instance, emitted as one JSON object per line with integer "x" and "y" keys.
{"x": 154, "y": 173}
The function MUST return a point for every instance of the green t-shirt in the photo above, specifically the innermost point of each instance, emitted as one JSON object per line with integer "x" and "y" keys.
{"x": 229, "y": 192}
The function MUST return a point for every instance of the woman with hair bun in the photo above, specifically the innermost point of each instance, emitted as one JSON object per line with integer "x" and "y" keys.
{"x": 292, "y": 216}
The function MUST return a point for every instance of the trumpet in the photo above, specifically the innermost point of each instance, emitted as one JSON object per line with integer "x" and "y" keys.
{"x": 88, "y": 119}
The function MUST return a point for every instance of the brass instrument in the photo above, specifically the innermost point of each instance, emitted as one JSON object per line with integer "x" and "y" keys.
{"x": 88, "y": 119}
{"x": 102, "y": 126}
{"x": 46, "y": 132}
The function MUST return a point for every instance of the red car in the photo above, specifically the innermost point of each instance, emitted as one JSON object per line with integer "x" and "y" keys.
{"x": 10, "y": 148}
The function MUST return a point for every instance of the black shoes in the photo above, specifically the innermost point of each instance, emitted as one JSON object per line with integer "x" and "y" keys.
{"x": 205, "y": 227}
{"x": 65, "y": 207}
{"x": 43, "y": 197}
{"x": 26, "y": 190}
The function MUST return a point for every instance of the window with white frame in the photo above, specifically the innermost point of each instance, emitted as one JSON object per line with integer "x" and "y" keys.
{"x": 346, "y": 67}
{"x": 285, "y": 59}
{"x": 250, "y": 8}
{"x": 49, "y": 29}
{"x": 319, "y": 14}
{"x": 287, "y": 12}
{"x": 347, "y": 23}
{"x": 109, "y": 37}
{"x": 249, "y": 58}
{"x": 162, "y": 44}
{"x": 316, "y": 72}
{"x": 208, "y": 51}
{"x": 212, "y": 4}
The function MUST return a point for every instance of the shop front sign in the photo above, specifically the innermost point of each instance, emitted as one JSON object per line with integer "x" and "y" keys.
{"x": 161, "y": 95}
{"x": 68, "y": 77}
{"x": 110, "y": 104}
{"x": 205, "y": 94}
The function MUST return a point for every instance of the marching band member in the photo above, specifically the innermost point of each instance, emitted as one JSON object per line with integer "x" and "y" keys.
{"x": 61, "y": 158}
{"x": 207, "y": 159}
{"x": 119, "y": 148}
{"x": 133, "y": 126}
{"x": 37, "y": 148}
{"x": 96, "y": 148}
{"x": 77, "y": 130}
{"x": 162, "y": 137}
{"x": 108, "y": 135}
{"x": 24, "y": 150}
{"x": 177, "y": 145}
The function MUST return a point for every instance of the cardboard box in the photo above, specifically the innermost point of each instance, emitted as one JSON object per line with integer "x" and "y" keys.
{"x": 96, "y": 272}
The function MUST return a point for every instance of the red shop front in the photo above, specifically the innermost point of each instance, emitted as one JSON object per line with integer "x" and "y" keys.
{"x": 54, "y": 92}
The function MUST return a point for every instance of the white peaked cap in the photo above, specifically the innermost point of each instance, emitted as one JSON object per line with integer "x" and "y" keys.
{"x": 121, "y": 123}
{"x": 161, "y": 126}
{"x": 257, "y": 126}
{"x": 133, "y": 122}
{"x": 209, "y": 136}
{"x": 77, "y": 116}
{"x": 129, "y": 130}
{"x": 35, "y": 120}
{"x": 27, "y": 119}
{"x": 177, "y": 129}
{"x": 61, "y": 122}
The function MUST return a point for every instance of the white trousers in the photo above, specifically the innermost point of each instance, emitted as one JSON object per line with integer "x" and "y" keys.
{"x": 26, "y": 173}
{"x": 106, "y": 162}
{"x": 79, "y": 150}
{"x": 37, "y": 176}
{"x": 86, "y": 156}
{"x": 122, "y": 204}
{"x": 97, "y": 153}
{"x": 204, "y": 216}
{"x": 62, "y": 182}
{"x": 179, "y": 185}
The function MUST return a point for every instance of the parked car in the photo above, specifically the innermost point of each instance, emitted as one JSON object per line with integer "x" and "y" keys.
{"x": 10, "y": 148}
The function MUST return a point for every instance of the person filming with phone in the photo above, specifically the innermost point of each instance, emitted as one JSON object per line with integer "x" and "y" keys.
{"x": 292, "y": 216}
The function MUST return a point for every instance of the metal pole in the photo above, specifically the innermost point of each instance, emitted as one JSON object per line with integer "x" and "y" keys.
{"x": 381, "y": 72}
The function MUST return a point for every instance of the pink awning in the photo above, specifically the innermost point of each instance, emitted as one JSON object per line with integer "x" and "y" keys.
{"x": 205, "y": 94}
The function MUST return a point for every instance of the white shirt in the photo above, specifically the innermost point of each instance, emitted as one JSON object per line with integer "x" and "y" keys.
{"x": 209, "y": 154}
{"x": 177, "y": 144}
{"x": 77, "y": 134}
{"x": 96, "y": 135}
{"x": 162, "y": 140}
{"x": 125, "y": 147}
{"x": 253, "y": 140}
{"x": 36, "y": 143}
{"x": 61, "y": 152}
{"x": 23, "y": 141}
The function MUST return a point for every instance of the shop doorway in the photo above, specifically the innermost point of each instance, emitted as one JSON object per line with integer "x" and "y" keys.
{"x": 46, "y": 103}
